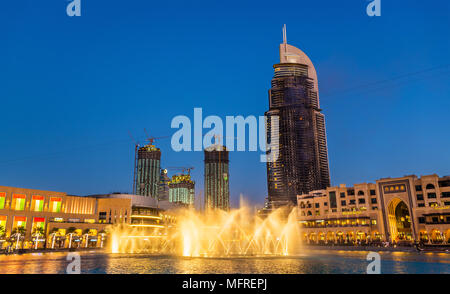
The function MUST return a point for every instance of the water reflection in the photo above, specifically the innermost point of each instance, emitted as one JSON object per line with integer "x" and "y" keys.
{"x": 311, "y": 261}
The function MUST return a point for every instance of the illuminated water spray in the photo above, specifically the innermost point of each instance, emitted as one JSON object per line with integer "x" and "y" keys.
{"x": 216, "y": 233}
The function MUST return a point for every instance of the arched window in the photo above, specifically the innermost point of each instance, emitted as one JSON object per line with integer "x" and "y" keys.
{"x": 360, "y": 193}
{"x": 303, "y": 213}
{"x": 302, "y": 205}
{"x": 309, "y": 212}
{"x": 430, "y": 186}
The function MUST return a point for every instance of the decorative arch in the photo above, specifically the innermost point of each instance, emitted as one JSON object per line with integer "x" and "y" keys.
{"x": 399, "y": 220}
{"x": 430, "y": 187}
{"x": 360, "y": 193}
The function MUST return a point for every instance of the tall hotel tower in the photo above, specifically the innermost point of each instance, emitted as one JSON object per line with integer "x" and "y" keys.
{"x": 217, "y": 187}
{"x": 302, "y": 164}
{"x": 148, "y": 163}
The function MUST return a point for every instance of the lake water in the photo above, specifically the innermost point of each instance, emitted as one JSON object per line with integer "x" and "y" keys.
{"x": 309, "y": 262}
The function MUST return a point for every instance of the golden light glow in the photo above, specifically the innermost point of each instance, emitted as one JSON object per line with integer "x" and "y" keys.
{"x": 146, "y": 216}
{"x": 213, "y": 233}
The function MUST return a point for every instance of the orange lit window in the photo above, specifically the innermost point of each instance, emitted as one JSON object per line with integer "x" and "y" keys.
{"x": 37, "y": 203}
{"x": 2, "y": 200}
{"x": 38, "y": 222}
{"x": 20, "y": 221}
{"x": 18, "y": 202}
{"x": 3, "y": 222}
{"x": 55, "y": 204}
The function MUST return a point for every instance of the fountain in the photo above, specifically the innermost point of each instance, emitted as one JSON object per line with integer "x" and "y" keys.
{"x": 214, "y": 233}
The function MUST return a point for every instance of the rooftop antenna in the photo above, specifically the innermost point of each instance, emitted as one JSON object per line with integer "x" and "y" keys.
{"x": 284, "y": 35}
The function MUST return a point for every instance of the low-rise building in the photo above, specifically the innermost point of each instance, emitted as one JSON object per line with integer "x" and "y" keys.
{"x": 30, "y": 217}
{"x": 400, "y": 210}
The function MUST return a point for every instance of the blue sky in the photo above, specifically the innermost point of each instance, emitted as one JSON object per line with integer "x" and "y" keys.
{"x": 72, "y": 88}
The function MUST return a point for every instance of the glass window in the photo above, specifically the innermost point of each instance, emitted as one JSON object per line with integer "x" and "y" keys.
{"x": 361, "y": 201}
{"x": 374, "y": 200}
{"x": 38, "y": 223}
{"x": 419, "y": 197}
{"x": 332, "y": 197}
{"x": 2, "y": 200}
{"x": 3, "y": 222}
{"x": 18, "y": 202}
{"x": 55, "y": 204}
{"x": 19, "y": 221}
{"x": 421, "y": 220}
{"x": 431, "y": 195}
{"x": 343, "y": 203}
{"x": 37, "y": 203}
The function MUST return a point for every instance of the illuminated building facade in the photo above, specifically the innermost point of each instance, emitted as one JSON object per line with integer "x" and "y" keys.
{"x": 302, "y": 164}
{"x": 31, "y": 218}
{"x": 36, "y": 213}
{"x": 148, "y": 164}
{"x": 217, "y": 187}
{"x": 401, "y": 210}
{"x": 182, "y": 189}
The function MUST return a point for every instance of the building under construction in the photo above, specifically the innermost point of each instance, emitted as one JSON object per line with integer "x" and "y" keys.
{"x": 147, "y": 171}
{"x": 164, "y": 180}
{"x": 217, "y": 187}
{"x": 182, "y": 189}
{"x": 302, "y": 164}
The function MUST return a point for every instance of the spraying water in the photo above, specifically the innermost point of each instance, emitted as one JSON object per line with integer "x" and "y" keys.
{"x": 214, "y": 233}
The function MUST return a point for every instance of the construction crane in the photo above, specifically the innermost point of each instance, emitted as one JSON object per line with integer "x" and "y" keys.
{"x": 152, "y": 139}
{"x": 136, "y": 148}
{"x": 182, "y": 168}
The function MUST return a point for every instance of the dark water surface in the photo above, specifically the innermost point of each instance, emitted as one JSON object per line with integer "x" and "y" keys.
{"x": 309, "y": 262}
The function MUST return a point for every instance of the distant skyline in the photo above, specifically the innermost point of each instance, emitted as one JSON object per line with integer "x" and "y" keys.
{"x": 71, "y": 89}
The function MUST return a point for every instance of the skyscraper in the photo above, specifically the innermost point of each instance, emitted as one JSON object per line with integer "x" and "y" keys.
{"x": 148, "y": 164}
{"x": 302, "y": 164}
{"x": 217, "y": 187}
{"x": 163, "y": 193}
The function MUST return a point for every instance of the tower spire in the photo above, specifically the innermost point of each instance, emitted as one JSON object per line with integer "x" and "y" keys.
{"x": 284, "y": 35}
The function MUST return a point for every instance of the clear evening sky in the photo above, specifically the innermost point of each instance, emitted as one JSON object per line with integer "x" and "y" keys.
{"x": 72, "y": 88}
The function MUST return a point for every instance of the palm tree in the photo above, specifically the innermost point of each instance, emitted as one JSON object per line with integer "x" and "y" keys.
{"x": 2, "y": 232}
{"x": 53, "y": 234}
{"x": 37, "y": 232}
{"x": 70, "y": 231}
{"x": 86, "y": 233}
{"x": 18, "y": 233}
